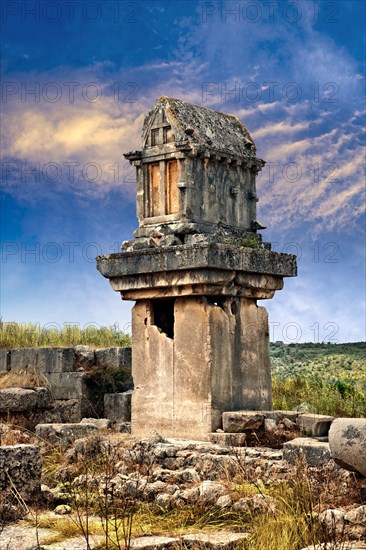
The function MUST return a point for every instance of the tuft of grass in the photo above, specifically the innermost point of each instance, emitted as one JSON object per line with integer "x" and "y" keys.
{"x": 151, "y": 519}
{"x": 24, "y": 378}
{"x": 52, "y": 461}
{"x": 32, "y": 335}
{"x": 65, "y": 525}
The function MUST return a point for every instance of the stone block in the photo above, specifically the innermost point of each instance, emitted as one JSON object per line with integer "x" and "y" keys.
{"x": 23, "y": 358}
{"x": 153, "y": 542}
{"x": 240, "y": 421}
{"x": 315, "y": 452}
{"x": 44, "y": 398}
{"x": 68, "y": 385}
{"x": 63, "y": 434}
{"x": 314, "y": 424}
{"x": 46, "y": 360}
{"x": 117, "y": 406}
{"x": 4, "y": 360}
{"x": 125, "y": 357}
{"x": 20, "y": 467}
{"x": 107, "y": 357}
{"x": 62, "y": 411}
{"x": 51, "y": 360}
{"x": 113, "y": 357}
{"x": 18, "y": 400}
{"x": 228, "y": 439}
{"x": 347, "y": 441}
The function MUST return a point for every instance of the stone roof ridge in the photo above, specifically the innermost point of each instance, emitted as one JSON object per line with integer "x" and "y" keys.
{"x": 204, "y": 129}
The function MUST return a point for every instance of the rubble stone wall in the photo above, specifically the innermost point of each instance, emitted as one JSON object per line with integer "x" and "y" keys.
{"x": 77, "y": 377}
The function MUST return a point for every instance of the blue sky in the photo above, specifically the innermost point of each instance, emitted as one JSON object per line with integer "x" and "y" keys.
{"x": 79, "y": 77}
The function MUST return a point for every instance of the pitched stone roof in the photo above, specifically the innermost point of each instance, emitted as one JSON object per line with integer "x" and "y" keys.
{"x": 204, "y": 129}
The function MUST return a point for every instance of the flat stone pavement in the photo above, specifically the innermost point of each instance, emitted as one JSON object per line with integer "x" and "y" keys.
{"x": 20, "y": 537}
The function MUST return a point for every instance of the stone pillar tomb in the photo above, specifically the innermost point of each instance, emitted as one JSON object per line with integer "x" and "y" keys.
{"x": 196, "y": 269}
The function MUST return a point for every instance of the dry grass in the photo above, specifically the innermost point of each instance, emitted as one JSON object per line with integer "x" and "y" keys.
{"x": 65, "y": 525}
{"x": 32, "y": 335}
{"x": 24, "y": 378}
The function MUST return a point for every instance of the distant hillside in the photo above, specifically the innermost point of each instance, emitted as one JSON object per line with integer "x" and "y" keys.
{"x": 330, "y": 378}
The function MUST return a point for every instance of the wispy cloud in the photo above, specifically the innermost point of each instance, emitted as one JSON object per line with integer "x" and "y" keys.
{"x": 280, "y": 128}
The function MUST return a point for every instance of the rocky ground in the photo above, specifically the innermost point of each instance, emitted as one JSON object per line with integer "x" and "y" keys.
{"x": 223, "y": 489}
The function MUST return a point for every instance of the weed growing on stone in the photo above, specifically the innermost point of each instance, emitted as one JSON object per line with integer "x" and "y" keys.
{"x": 251, "y": 241}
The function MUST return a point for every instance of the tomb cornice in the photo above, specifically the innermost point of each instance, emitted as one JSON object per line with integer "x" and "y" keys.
{"x": 199, "y": 256}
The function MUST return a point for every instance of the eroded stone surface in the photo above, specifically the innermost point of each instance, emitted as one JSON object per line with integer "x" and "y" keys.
{"x": 315, "y": 452}
{"x": 347, "y": 441}
{"x": 228, "y": 439}
{"x": 64, "y": 434}
{"x": 22, "y": 399}
{"x": 197, "y": 382}
{"x": 240, "y": 421}
{"x": 20, "y": 467}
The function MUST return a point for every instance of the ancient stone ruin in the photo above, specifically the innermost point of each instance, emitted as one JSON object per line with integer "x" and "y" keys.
{"x": 196, "y": 268}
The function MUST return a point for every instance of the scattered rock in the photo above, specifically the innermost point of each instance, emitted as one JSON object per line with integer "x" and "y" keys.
{"x": 123, "y": 427}
{"x": 63, "y": 509}
{"x": 223, "y": 540}
{"x": 270, "y": 425}
{"x": 240, "y": 421}
{"x": 257, "y": 504}
{"x": 164, "y": 500}
{"x": 224, "y": 501}
{"x": 100, "y": 423}
{"x": 288, "y": 424}
{"x": 333, "y": 521}
{"x": 357, "y": 515}
{"x": 63, "y": 434}
{"x": 84, "y": 358}
{"x": 210, "y": 491}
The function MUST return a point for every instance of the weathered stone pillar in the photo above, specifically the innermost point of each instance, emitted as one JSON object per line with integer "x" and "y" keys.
{"x": 200, "y": 342}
